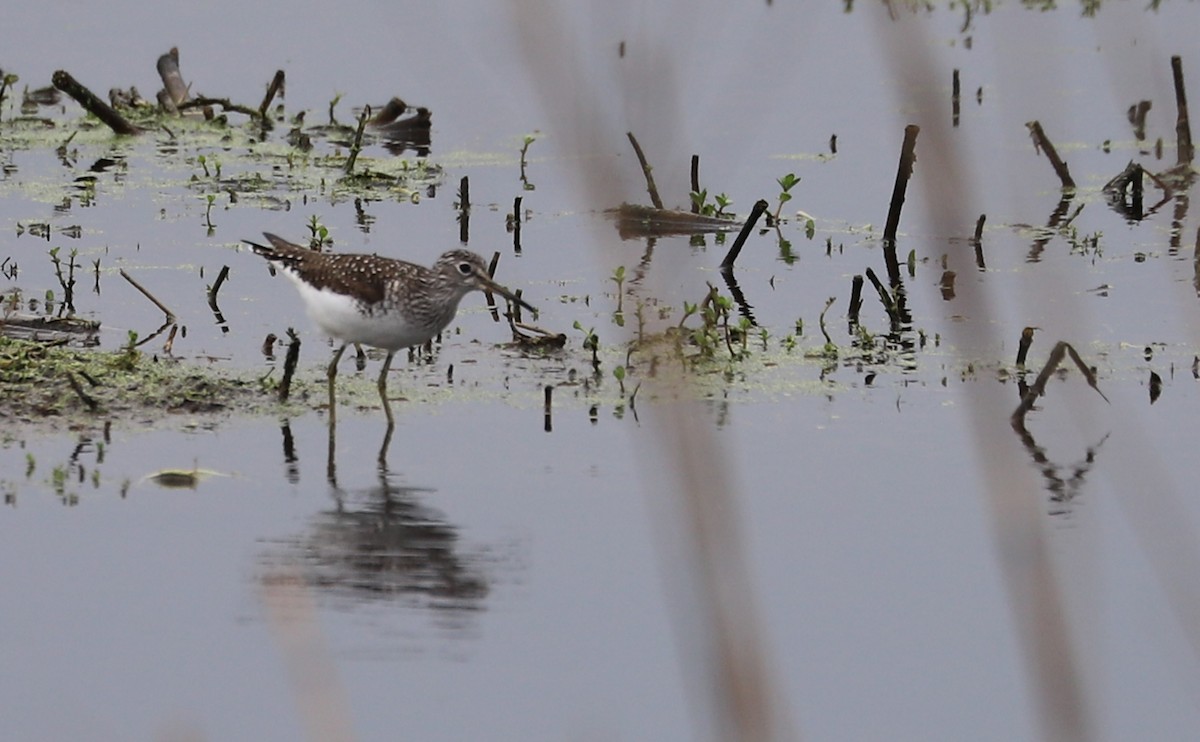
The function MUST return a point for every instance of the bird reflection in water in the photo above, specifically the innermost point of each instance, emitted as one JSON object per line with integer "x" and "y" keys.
{"x": 380, "y": 542}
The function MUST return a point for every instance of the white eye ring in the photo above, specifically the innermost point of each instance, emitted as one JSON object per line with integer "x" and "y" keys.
{"x": 466, "y": 269}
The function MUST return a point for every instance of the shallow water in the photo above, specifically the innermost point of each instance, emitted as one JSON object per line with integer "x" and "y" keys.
{"x": 495, "y": 580}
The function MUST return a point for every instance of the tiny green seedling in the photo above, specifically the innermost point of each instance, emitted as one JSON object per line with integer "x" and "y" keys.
{"x": 528, "y": 140}
{"x": 618, "y": 277}
{"x": 318, "y": 233}
{"x": 785, "y": 186}
{"x": 717, "y": 209}
{"x": 332, "y": 105}
{"x": 590, "y": 342}
{"x": 210, "y": 199}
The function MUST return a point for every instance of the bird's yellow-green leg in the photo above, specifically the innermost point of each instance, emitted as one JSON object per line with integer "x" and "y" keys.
{"x": 331, "y": 372}
{"x": 387, "y": 408}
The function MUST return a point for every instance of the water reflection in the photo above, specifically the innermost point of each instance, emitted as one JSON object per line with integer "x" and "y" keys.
{"x": 1064, "y": 482}
{"x": 380, "y": 542}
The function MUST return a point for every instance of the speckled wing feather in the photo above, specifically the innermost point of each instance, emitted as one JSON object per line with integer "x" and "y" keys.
{"x": 364, "y": 277}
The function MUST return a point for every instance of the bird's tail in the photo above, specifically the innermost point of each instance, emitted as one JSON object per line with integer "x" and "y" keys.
{"x": 279, "y": 251}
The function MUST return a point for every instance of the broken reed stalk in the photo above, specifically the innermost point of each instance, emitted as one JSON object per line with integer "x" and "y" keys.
{"x": 1137, "y": 117}
{"x": 93, "y": 105}
{"x": 979, "y": 228}
{"x": 464, "y": 194}
{"x": 1183, "y": 128}
{"x": 1155, "y": 386}
{"x": 821, "y": 320}
{"x": 170, "y": 315}
{"x": 653, "y": 189}
{"x": 514, "y": 307}
{"x": 356, "y": 147}
{"x": 212, "y": 291}
{"x": 856, "y": 285}
{"x": 272, "y": 89}
{"x": 1061, "y": 349}
{"x": 1043, "y": 144}
{"x": 977, "y": 241}
{"x": 548, "y": 424}
{"x": 289, "y": 364}
{"x": 1136, "y": 192}
{"x": 739, "y": 297}
{"x": 903, "y": 173}
{"x": 954, "y": 98}
{"x": 760, "y": 206}
{"x": 1023, "y": 345}
{"x": 695, "y": 182}
{"x": 516, "y": 225}
{"x": 464, "y": 210}
{"x": 889, "y": 304}
{"x": 491, "y": 298}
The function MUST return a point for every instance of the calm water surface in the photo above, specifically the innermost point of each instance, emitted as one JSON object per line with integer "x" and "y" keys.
{"x": 495, "y": 580}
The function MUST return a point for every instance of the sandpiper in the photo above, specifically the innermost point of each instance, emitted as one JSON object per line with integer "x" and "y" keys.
{"x": 377, "y": 301}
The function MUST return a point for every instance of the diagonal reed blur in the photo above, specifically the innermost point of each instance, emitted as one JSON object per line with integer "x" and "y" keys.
{"x": 704, "y": 573}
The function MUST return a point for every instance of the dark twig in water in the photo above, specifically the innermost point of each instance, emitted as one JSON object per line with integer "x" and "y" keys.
{"x": 515, "y": 307}
{"x": 289, "y": 364}
{"x": 464, "y": 210}
{"x": 1183, "y": 128}
{"x": 533, "y": 337}
{"x": 821, "y": 320}
{"x": 903, "y": 173}
{"x": 1042, "y": 144}
{"x": 170, "y": 315}
{"x": 889, "y": 304}
{"x": 90, "y": 401}
{"x": 491, "y": 299}
{"x": 93, "y": 105}
{"x": 548, "y": 424}
{"x": 516, "y": 225}
{"x": 856, "y": 285}
{"x": 695, "y": 182}
{"x": 154, "y": 335}
{"x": 1023, "y": 345}
{"x": 653, "y": 189}
{"x": 1137, "y": 117}
{"x": 979, "y": 227}
{"x": 356, "y": 146}
{"x": 224, "y": 103}
{"x": 760, "y": 206}
{"x": 739, "y": 298}
{"x": 464, "y": 195}
{"x": 1061, "y": 349}
{"x": 277, "y": 84}
{"x": 954, "y": 98}
{"x": 977, "y": 242}
{"x": 212, "y": 291}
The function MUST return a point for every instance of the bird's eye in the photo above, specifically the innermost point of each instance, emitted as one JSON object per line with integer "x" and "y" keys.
{"x": 466, "y": 269}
